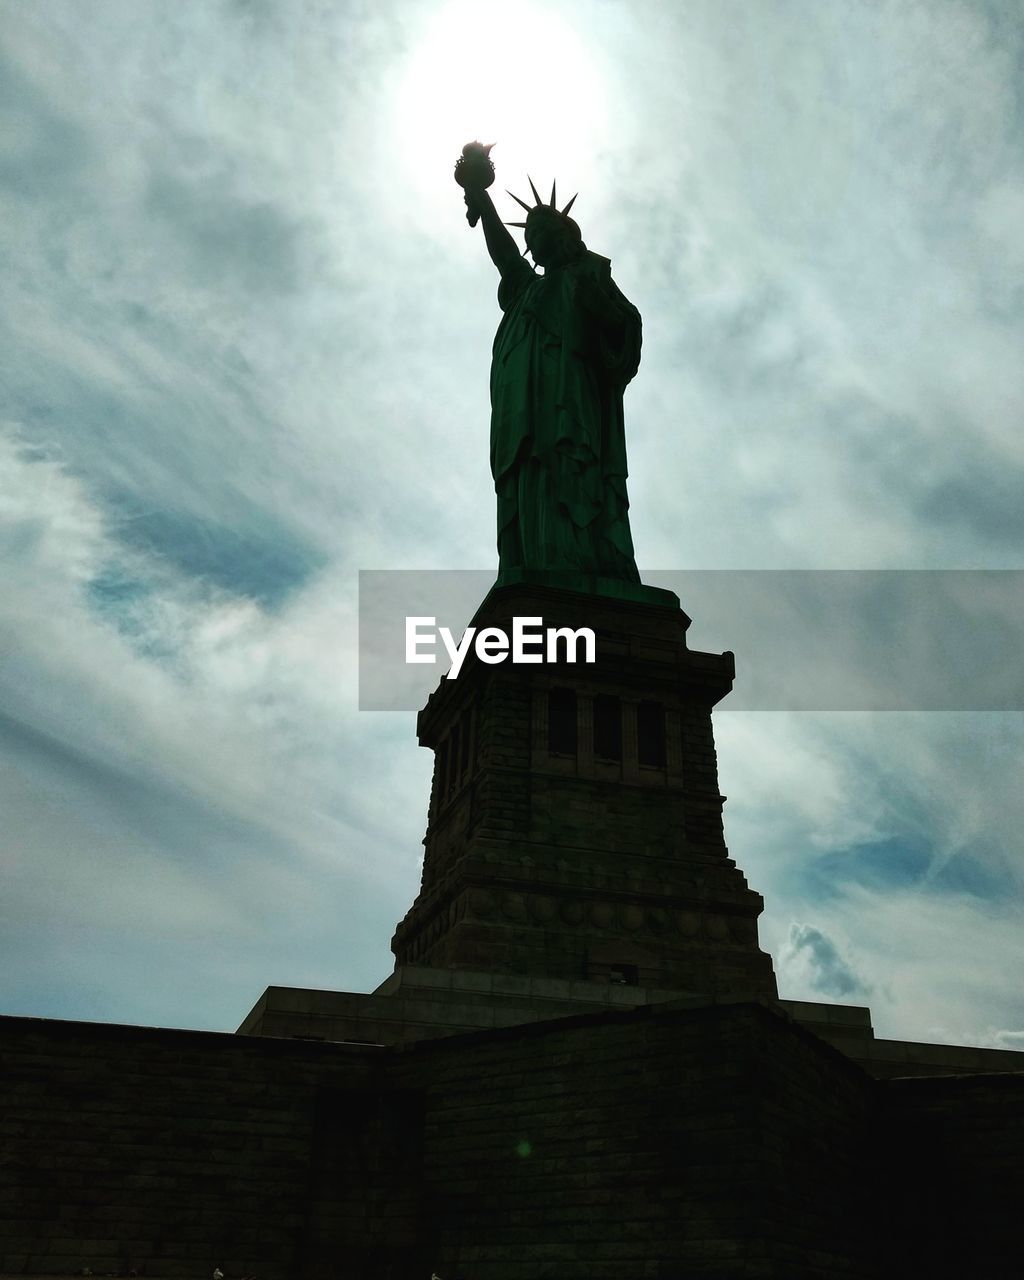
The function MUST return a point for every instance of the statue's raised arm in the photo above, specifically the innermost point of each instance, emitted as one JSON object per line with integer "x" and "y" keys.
{"x": 474, "y": 172}
{"x": 566, "y": 347}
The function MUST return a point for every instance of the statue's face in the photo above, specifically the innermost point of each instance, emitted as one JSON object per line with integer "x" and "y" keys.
{"x": 547, "y": 241}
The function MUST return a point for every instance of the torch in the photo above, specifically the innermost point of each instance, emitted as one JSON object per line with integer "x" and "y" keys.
{"x": 474, "y": 171}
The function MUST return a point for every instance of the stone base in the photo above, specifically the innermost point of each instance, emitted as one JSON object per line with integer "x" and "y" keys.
{"x": 575, "y": 824}
{"x": 420, "y": 1003}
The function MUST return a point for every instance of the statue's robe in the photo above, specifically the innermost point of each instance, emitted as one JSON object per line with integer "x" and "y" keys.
{"x": 558, "y": 451}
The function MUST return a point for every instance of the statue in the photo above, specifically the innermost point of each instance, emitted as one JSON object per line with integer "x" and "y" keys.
{"x": 565, "y": 349}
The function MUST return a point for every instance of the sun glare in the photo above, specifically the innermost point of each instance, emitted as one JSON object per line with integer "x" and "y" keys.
{"x": 509, "y": 73}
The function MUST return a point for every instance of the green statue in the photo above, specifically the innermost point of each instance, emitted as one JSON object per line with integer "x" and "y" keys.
{"x": 565, "y": 349}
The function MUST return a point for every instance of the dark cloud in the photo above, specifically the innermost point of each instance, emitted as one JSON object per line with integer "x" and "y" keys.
{"x": 227, "y": 238}
{"x": 44, "y": 150}
{"x": 828, "y": 972}
{"x": 265, "y": 562}
{"x": 890, "y": 864}
{"x": 948, "y": 475}
{"x": 899, "y": 863}
{"x": 984, "y": 498}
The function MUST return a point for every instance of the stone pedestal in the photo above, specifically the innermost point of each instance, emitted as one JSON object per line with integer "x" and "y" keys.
{"x": 575, "y": 821}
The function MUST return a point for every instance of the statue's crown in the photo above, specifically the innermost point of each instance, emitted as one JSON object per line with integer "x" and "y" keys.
{"x": 548, "y": 209}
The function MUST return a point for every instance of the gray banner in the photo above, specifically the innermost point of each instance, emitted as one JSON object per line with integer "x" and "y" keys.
{"x": 805, "y": 640}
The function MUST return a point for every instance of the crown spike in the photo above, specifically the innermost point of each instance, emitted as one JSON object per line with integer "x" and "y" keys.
{"x": 552, "y": 200}
{"x": 569, "y": 205}
{"x": 522, "y": 203}
{"x": 515, "y": 224}
{"x": 536, "y": 193}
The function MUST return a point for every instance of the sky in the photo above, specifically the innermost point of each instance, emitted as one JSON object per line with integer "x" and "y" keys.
{"x": 244, "y": 354}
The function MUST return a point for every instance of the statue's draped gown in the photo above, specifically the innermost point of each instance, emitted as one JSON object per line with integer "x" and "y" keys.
{"x": 558, "y": 451}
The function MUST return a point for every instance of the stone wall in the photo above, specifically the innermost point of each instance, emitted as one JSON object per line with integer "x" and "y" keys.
{"x": 720, "y": 1141}
{"x": 715, "y": 1142}
{"x": 952, "y": 1185}
{"x": 172, "y": 1152}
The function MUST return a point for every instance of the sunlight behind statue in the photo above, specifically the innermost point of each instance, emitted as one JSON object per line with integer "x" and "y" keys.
{"x": 566, "y": 347}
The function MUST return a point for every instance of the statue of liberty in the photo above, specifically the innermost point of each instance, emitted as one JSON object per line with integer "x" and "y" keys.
{"x": 567, "y": 345}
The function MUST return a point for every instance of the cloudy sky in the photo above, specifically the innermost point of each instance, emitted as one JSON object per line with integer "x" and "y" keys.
{"x": 245, "y": 342}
